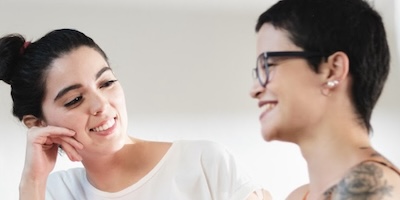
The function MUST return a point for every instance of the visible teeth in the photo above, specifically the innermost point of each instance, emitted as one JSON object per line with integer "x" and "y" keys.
{"x": 268, "y": 106}
{"x": 105, "y": 126}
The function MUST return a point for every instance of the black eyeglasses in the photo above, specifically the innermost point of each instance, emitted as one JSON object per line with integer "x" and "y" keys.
{"x": 261, "y": 72}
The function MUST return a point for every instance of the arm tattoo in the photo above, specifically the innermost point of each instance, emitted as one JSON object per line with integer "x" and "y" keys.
{"x": 364, "y": 182}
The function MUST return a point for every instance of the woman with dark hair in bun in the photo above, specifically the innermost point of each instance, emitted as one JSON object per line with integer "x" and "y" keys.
{"x": 65, "y": 92}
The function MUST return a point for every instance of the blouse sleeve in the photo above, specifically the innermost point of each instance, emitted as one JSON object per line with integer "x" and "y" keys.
{"x": 225, "y": 178}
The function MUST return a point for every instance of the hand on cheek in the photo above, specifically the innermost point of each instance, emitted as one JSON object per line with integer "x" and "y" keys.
{"x": 42, "y": 147}
{"x": 70, "y": 146}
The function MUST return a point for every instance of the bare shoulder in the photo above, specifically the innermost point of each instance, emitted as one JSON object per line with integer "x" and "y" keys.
{"x": 298, "y": 193}
{"x": 368, "y": 180}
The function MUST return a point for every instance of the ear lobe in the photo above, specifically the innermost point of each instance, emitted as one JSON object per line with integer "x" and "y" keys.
{"x": 334, "y": 71}
{"x": 31, "y": 121}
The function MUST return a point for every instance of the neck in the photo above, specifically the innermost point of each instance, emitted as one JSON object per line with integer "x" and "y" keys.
{"x": 115, "y": 171}
{"x": 330, "y": 152}
{"x": 118, "y": 170}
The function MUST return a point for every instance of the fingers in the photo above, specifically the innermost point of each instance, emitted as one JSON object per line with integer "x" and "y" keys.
{"x": 40, "y": 135}
{"x": 63, "y": 140}
{"x": 71, "y": 152}
{"x": 70, "y": 146}
{"x": 50, "y": 136}
{"x": 51, "y": 131}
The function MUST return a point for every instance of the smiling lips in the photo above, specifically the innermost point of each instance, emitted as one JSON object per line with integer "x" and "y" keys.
{"x": 266, "y": 107}
{"x": 105, "y": 126}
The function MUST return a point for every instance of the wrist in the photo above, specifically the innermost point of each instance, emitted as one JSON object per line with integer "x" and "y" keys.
{"x": 32, "y": 189}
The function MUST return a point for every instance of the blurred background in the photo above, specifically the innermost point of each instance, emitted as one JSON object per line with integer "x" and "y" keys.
{"x": 186, "y": 70}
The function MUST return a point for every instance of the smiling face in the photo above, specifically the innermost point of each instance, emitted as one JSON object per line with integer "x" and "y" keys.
{"x": 291, "y": 102}
{"x": 82, "y": 94}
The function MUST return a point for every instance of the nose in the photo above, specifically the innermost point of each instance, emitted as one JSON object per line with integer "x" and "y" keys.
{"x": 98, "y": 104}
{"x": 256, "y": 90}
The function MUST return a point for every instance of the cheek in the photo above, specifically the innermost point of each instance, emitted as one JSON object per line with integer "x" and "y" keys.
{"x": 297, "y": 102}
{"x": 271, "y": 75}
{"x": 304, "y": 109}
{"x": 118, "y": 99}
{"x": 69, "y": 120}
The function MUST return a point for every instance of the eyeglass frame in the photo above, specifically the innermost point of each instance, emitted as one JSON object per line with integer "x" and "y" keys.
{"x": 269, "y": 54}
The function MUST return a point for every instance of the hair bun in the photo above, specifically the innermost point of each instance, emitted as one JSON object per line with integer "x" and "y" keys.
{"x": 10, "y": 54}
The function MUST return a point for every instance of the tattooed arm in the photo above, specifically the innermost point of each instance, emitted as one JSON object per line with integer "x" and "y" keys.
{"x": 367, "y": 181}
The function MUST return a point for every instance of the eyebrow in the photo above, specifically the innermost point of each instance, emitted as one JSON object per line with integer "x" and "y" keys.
{"x": 102, "y": 70}
{"x": 66, "y": 90}
{"x": 76, "y": 86}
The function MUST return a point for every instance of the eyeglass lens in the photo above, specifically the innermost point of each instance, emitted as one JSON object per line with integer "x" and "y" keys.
{"x": 261, "y": 71}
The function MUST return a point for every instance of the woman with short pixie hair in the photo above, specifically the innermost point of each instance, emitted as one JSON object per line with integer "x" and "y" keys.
{"x": 321, "y": 68}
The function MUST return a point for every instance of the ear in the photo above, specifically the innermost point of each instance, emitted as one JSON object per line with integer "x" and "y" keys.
{"x": 31, "y": 121}
{"x": 336, "y": 68}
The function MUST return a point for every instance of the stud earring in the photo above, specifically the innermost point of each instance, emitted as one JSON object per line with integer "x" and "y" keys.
{"x": 332, "y": 83}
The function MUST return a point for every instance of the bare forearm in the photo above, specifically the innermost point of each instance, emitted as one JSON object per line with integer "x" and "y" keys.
{"x": 32, "y": 190}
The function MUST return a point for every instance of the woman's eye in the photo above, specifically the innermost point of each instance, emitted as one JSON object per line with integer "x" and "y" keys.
{"x": 73, "y": 101}
{"x": 108, "y": 83}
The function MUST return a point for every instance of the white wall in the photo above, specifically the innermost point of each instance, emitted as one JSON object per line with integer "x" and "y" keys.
{"x": 186, "y": 74}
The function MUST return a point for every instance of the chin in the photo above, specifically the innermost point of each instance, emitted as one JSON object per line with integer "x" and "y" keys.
{"x": 268, "y": 134}
{"x": 274, "y": 135}
{"x": 273, "y": 132}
